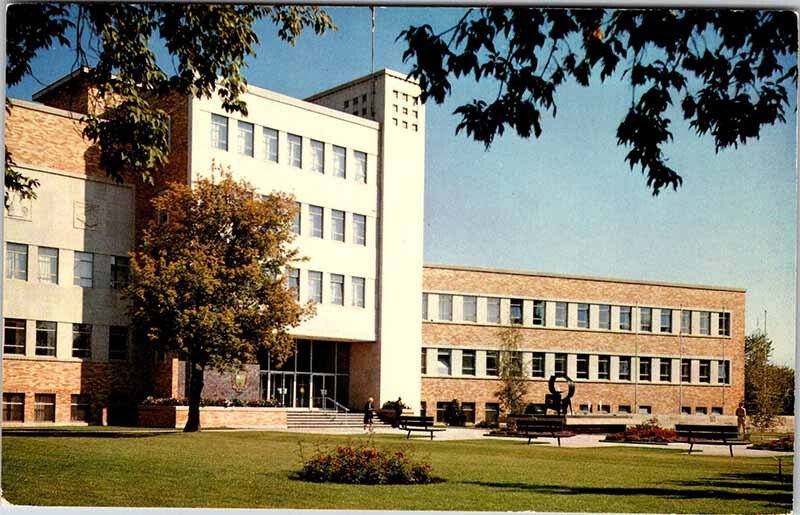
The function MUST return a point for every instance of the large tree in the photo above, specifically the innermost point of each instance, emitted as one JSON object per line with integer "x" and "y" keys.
{"x": 207, "y": 45}
{"x": 207, "y": 279}
{"x": 728, "y": 69}
{"x": 768, "y": 388}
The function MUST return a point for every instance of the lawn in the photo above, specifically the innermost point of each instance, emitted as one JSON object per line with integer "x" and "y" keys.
{"x": 252, "y": 469}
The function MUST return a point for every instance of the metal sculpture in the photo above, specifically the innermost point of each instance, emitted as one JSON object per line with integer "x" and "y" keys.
{"x": 555, "y": 400}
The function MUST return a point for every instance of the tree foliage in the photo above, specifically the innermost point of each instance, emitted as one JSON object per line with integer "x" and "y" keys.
{"x": 769, "y": 389}
{"x": 208, "y": 45}
{"x": 207, "y": 280}
{"x": 513, "y": 384}
{"x": 723, "y": 67}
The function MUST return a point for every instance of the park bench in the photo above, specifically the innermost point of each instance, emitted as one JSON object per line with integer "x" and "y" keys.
{"x": 709, "y": 434}
{"x": 543, "y": 426}
{"x": 424, "y": 424}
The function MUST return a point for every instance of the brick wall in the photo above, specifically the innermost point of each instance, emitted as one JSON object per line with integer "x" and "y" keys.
{"x": 220, "y": 385}
{"x": 212, "y": 416}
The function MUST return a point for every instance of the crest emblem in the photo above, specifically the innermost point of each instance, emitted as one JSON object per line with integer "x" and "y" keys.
{"x": 239, "y": 381}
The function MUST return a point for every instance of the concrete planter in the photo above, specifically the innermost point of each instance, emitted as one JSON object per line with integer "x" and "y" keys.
{"x": 213, "y": 416}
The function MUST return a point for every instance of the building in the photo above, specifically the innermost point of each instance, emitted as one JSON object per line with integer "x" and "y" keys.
{"x": 353, "y": 156}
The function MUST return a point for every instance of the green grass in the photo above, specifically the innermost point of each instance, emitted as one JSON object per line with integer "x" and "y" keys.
{"x": 252, "y": 469}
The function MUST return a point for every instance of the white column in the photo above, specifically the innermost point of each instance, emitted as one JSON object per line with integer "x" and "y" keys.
{"x": 527, "y": 364}
{"x": 458, "y": 308}
{"x": 481, "y": 310}
{"x": 714, "y": 372}
{"x": 572, "y": 365}
{"x": 550, "y": 314}
{"x": 430, "y": 361}
{"x": 455, "y": 362}
{"x": 656, "y": 314}
{"x": 480, "y": 363}
{"x": 66, "y": 267}
{"x": 549, "y": 364}
{"x": 505, "y": 311}
{"x": 63, "y": 340}
{"x": 33, "y": 265}
{"x": 572, "y": 314}
{"x": 593, "y": 366}
{"x": 614, "y": 368}
{"x": 594, "y": 316}
{"x": 695, "y": 322}
{"x": 527, "y": 313}
{"x": 30, "y": 336}
{"x": 655, "y": 370}
{"x": 695, "y": 371}
{"x": 614, "y": 318}
{"x": 676, "y": 371}
{"x": 714, "y": 329}
{"x": 433, "y": 306}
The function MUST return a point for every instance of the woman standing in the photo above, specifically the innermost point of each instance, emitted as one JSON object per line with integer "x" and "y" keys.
{"x": 369, "y": 412}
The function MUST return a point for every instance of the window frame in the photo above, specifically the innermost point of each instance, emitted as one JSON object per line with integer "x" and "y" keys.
{"x": 645, "y": 369}
{"x": 78, "y": 260}
{"x": 472, "y": 301}
{"x": 705, "y": 319}
{"x": 79, "y": 332}
{"x": 361, "y": 169}
{"x": 50, "y": 277}
{"x": 537, "y": 364}
{"x": 445, "y": 309}
{"x": 665, "y": 315}
{"x": 316, "y": 216}
{"x": 243, "y": 146}
{"x": 336, "y": 284}
{"x": 686, "y": 321}
{"x": 120, "y": 353}
{"x": 582, "y": 359}
{"x": 492, "y": 356}
{"x": 359, "y": 293}
{"x": 317, "y": 156}
{"x": 120, "y": 265}
{"x": 13, "y": 405}
{"x": 360, "y": 229}
{"x": 704, "y": 379}
{"x": 18, "y": 327}
{"x": 645, "y": 319}
{"x": 44, "y": 407}
{"x": 583, "y": 319}
{"x": 219, "y": 141}
{"x": 270, "y": 144}
{"x": 560, "y": 357}
{"x": 493, "y": 310}
{"x": 629, "y": 375}
{"x": 294, "y": 150}
{"x": 464, "y": 370}
{"x": 515, "y": 312}
{"x": 625, "y": 318}
{"x": 339, "y": 161}
{"x": 604, "y": 316}
{"x": 338, "y": 225}
{"x": 20, "y": 252}
{"x": 76, "y": 407}
{"x": 539, "y": 313}
{"x": 665, "y": 364}
{"x": 50, "y": 333}
{"x": 723, "y": 324}
{"x": 448, "y": 354}
{"x": 315, "y": 279}
{"x": 604, "y": 375}
{"x": 562, "y": 307}
{"x": 686, "y": 370}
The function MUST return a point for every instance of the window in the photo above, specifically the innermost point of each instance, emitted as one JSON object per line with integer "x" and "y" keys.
{"x": 337, "y": 224}
{"x": 491, "y": 362}
{"x": 44, "y": 407}
{"x": 716, "y": 410}
{"x": 293, "y": 280}
{"x": 686, "y": 322}
{"x": 492, "y": 413}
{"x": 705, "y": 371}
{"x": 46, "y": 338}
{"x": 723, "y": 371}
{"x": 624, "y": 368}
{"x": 561, "y": 314}
{"x": 120, "y": 270}
{"x": 700, "y": 410}
{"x": 17, "y": 261}
{"x": 424, "y": 306}
{"x": 84, "y": 269}
{"x": 79, "y": 408}
{"x": 686, "y": 410}
{"x": 585, "y": 408}
{"x": 623, "y": 408}
{"x": 118, "y": 343}
{"x": 315, "y": 286}
{"x": 361, "y": 166}
{"x": 583, "y": 366}
{"x": 645, "y": 367}
{"x": 705, "y": 322}
{"x": 604, "y": 409}
{"x": 359, "y": 229}
{"x": 14, "y": 336}
{"x": 337, "y": 289}
{"x": 493, "y": 310}
{"x": 516, "y": 311}
{"x": 514, "y": 362}
{"x": 443, "y": 362}
{"x": 295, "y": 150}
{"x": 645, "y": 319}
{"x": 48, "y": 265}
{"x": 441, "y": 410}
{"x": 583, "y": 316}
{"x": 724, "y": 324}
{"x": 666, "y": 320}
{"x": 686, "y": 371}
{"x": 468, "y": 362}
{"x": 358, "y": 292}
{"x": 423, "y": 363}
{"x": 270, "y": 142}
{"x": 219, "y": 132}
{"x": 445, "y": 307}
{"x": 297, "y": 223}
{"x": 339, "y": 161}
{"x": 625, "y": 318}
{"x": 537, "y": 364}
{"x": 470, "y": 308}
{"x": 604, "y": 316}
{"x": 244, "y": 138}
{"x": 317, "y": 216}
{"x": 13, "y": 407}
{"x": 645, "y": 410}
{"x": 665, "y": 372}
{"x": 81, "y": 340}
{"x": 604, "y": 367}
{"x": 538, "y": 312}
{"x": 317, "y": 156}
{"x": 468, "y": 408}
{"x": 561, "y": 365}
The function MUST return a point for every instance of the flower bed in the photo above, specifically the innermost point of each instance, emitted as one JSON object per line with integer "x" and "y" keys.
{"x": 647, "y": 432}
{"x": 784, "y": 444}
{"x": 364, "y": 465}
{"x": 223, "y": 403}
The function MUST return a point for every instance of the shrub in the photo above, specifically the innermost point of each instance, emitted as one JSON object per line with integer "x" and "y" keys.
{"x": 365, "y": 465}
{"x": 171, "y": 401}
{"x": 648, "y": 431}
{"x": 785, "y": 444}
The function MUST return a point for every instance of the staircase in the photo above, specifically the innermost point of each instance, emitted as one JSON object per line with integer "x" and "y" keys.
{"x": 328, "y": 419}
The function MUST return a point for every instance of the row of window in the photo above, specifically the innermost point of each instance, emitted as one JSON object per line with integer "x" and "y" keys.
{"x": 268, "y": 150}
{"x": 47, "y": 258}
{"x": 336, "y": 284}
{"x": 44, "y": 407}
{"x": 316, "y": 220}
{"x": 539, "y": 315}
{"x": 494, "y": 360}
{"x": 15, "y": 331}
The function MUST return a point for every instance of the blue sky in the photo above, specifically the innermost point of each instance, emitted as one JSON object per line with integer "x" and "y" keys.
{"x": 567, "y": 202}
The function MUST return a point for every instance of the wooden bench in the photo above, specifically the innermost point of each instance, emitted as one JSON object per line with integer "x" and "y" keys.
{"x": 546, "y": 426}
{"x": 709, "y": 434}
{"x": 424, "y": 424}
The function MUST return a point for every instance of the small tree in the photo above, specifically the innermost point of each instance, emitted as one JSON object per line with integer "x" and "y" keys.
{"x": 765, "y": 384}
{"x": 513, "y": 384}
{"x": 206, "y": 281}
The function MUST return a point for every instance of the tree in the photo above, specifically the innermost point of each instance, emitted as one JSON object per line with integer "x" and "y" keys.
{"x": 208, "y": 45}
{"x": 513, "y": 384}
{"x": 728, "y": 68}
{"x": 768, "y": 388}
{"x": 207, "y": 279}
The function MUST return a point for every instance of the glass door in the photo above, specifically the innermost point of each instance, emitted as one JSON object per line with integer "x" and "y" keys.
{"x": 281, "y": 387}
{"x": 302, "y": 388}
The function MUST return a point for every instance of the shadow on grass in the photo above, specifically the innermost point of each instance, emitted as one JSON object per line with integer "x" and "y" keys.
{"x": 65, "y": 433}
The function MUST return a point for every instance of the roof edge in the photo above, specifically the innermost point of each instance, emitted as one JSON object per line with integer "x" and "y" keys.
{"x": 353, "y": 82}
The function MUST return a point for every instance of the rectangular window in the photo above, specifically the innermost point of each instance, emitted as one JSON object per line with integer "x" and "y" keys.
{"x": 298, "y": 216}
{"x": 317, "y": 156}
{"x": 48, "y": 265}
{"x": 645, "y": 410}
{"x": 645, "y": 319}
{"x": 315, "y": 286}
{"x": 723, "y": 371}
{"x": 118, "y": 343}
{"x": 583, "y": 316}
{"x": 468, "y": 362}
{"x": 424, "y": 306}
{"x": 492, "y": 413}
{"x": 441, "y": 410}
{"x": 537, "y": 364}
{"x": 705, "y": 371}
{"x": 337, "y": 225}
{"x": 583, "y": 366}
{"x": 686, "y": 410}
{"x": 44, "y": 407}
{"x": 81, "y": 340}
{"x": 493, "y": 310}
{"x": 666, "y": 320}
{"x": 316, "y": 215}
{"x": 700, "y": 410}
{"x": 293, "y": 281}
{"x": 337, "y": 289}
{"x": 561, "y": 365}
{"x": 624, "y": 408}
{"x": 14, "y": 336}
{"x": 686, "y": 322}
{"x": 705, "y": 322}
{"x": 645, "y": 369}
{"x": 515, "y": 362}
{"x": 295, "y": 150}
{"x": 13, "y": 407}
{"x": 445, "y": 307}
{"x": 516, "y": 311}
{"x": 538, "y": 312}
{"x": 423, "y": 362}
{"x": 17, "y": 261}
{"x": 45, "y": 338}
{"x": 491, "y": 362}
{"x": 468, "y": 408}
{"x": 443, "y": 362}
{"x": 339, "y": 161}
{"x": 79, "y": 408}
{"x": 219, "y": 132}
{"x": 84, "y": 269}
{"x": 361, "y": 166}
{"x": 244, "y": 138}
{"x": 625, "y": 318}
{"x": 724, "y": 324}
{"x": 270, "y": 142}
{"x": 604, "y": 367}
{"x": 120, "y": 271}
{"x": 470, "y": 310}
{"x": 359, "y": 229}
{"x": 686, "y": 371}
{"x": 561, "y": 314}
{"x": 665, "y": 372}
{"x": 604, "y": 316}
{"x": 359, "y": 290}
{"x": 717, "y": 410}
{"x": 624, "y": 368}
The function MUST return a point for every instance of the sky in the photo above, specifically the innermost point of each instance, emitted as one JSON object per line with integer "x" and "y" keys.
{"x": 566, "y": 202}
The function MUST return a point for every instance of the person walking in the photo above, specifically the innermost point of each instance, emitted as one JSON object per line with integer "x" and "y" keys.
{"x": 741, "y": 418}
{"x": 369, "y": 412}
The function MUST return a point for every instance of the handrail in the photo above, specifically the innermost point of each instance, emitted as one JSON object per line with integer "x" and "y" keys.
{"x": 336, "y": 404}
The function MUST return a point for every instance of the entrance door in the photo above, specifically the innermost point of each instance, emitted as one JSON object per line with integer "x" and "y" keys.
{"x": 324, "y": 386}
{"x": 281, "y": 387}
{"x": 302, "y": 396}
